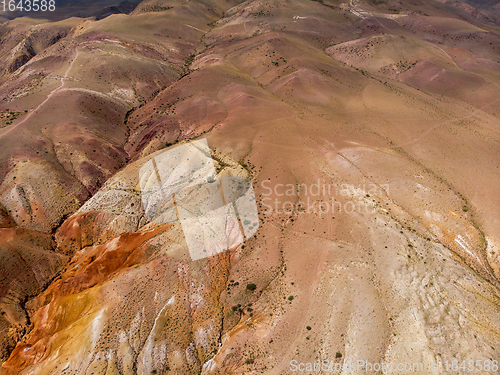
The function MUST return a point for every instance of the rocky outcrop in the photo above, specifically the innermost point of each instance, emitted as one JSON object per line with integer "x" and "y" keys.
{"x": 375, "y": 174}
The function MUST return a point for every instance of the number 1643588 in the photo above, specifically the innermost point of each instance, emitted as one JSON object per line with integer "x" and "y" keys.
{"x": 28, "y": 5}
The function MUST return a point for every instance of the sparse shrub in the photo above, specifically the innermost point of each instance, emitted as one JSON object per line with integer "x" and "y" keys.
{"x": 155, "y": 8}
{"x": 251, "y": 286}
{"x": 189, "y": 60}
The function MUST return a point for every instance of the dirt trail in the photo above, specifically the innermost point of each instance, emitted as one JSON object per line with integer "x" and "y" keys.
{"x": 472, "y": 114}
{"x": 63, "y": 79}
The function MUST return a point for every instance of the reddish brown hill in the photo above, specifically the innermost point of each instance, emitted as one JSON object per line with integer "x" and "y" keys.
{"x": 389, "y": 108}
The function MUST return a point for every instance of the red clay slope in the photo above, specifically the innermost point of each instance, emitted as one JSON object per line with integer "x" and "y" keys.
{"x": 394, "y": 107}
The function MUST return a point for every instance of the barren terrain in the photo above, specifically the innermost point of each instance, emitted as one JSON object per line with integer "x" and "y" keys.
{"x": 394, "y": 105}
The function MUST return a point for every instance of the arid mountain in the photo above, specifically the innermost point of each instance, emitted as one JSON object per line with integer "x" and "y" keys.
{"x": 72, "y": 8}
{"x": 370, "y": 131}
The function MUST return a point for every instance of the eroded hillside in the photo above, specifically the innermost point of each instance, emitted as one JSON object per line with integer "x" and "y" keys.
{"x": 390, "y": 108}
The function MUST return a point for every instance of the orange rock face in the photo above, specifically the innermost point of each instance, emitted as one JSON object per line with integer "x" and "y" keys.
{"x": 369, "y": 131}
